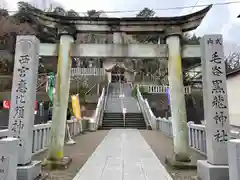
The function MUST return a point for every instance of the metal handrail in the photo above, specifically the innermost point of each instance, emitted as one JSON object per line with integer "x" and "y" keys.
{"x": 99, "y": 109}
{"x": 40, "y": 84}
{"x": 122, "y": 105}
{"x": 105, "y": 99}
{"x": 90, "y": 89}
{"x": 104, "y": 106}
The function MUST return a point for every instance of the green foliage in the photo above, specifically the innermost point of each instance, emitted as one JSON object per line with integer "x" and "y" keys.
{"x": 190, "y": 39}
{"x": 146, "y": 12}
{"x": 94, "y": 13}
{"x": 153, "y": 67}
{"x": 141, "y": 89}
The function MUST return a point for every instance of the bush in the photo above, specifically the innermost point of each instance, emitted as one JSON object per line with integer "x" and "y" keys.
{"x": 141, "y": 89}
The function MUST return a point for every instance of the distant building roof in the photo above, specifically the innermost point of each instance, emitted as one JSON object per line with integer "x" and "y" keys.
{"x": 120, "y": 67}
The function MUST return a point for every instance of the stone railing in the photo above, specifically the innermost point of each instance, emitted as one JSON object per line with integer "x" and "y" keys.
{"x": 41, "y": 137}
{"x": 74, "y": 127}
{"x": 158, "y": 89}
{"x": 196, "y": 134}
{"x": 96, "y": 120}
{"x": 197, "y": 137}
{"x": 165, "y": 126}
{"x": 42, "y": 133}
{"x": 149, "y": 117}
{"x": 87, "y": 71}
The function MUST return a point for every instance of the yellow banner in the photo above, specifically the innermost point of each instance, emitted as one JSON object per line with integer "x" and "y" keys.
{"x": 76, "y": 107}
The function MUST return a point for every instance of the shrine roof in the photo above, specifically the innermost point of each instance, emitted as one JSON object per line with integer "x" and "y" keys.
{"x": 122, "y": 67}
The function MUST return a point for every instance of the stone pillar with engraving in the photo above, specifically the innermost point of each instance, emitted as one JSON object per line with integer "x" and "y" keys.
{"x": 8, "y": 158}
{"x": 215, "y": 109}
{"x": 23, "y": 97}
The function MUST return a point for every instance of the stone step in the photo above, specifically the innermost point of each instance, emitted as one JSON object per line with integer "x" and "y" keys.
{"x": 112, "y": 119}
{"x": 113, "y": 113}
{"x": 134, "y": 125}
{"x": 134, "y": 120}
{"x": 113, "y": 125}
{"x": 134, "y": 115}
{"x": 108, "y": 128}
{"x": 120, "y": 115}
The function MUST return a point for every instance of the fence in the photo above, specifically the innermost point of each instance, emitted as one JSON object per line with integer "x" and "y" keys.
{"x": 149, "y": 117}
{"x": 196, "y": 133}
{"x": 42, "y": 133}
{"x": 99, "y": 111}
{"x": 158, "y": 89}
{"x": 87, "y": 71}
{"x": 165, "y": 126}
{"x": 197, "y": 137}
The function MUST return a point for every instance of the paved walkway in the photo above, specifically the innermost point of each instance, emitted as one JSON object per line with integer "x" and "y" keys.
{"x": 87, "y": 143}
{"x": 123, "y": 155}
{"x": 162, "y": 146}
{"x": 79, "y": 152}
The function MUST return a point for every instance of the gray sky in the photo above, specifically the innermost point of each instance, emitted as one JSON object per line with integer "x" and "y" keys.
{"x": 220, "y": 19}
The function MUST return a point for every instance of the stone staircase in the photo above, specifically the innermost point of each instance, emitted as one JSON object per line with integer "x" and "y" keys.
{"x": 135, "y": 121}
{"x": 131, "y": 105}
{"x": 116, "y": 120}
{"x": 113, "y": 113}
{"x": 112, "y": 120}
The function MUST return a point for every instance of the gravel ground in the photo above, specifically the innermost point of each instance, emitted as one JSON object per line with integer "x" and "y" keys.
{"x": 80, "y": 152}
{"x": 162, "y": 146}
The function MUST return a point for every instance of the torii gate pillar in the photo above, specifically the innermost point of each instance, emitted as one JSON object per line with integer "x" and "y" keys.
{"x": 177, "y": 96}
{"x": 56, "y": 155}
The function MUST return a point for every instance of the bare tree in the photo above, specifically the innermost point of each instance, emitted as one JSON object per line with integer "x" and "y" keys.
{"x": 9, "y": 29}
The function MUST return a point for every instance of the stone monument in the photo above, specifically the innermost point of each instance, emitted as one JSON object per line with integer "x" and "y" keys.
{"x": 21, "y": 117}
{"x": 215, "y": 109}
{"x": 8, "y": 158}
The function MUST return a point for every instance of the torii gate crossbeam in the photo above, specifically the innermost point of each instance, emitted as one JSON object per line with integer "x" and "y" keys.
{"x": 121, "y": 50}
